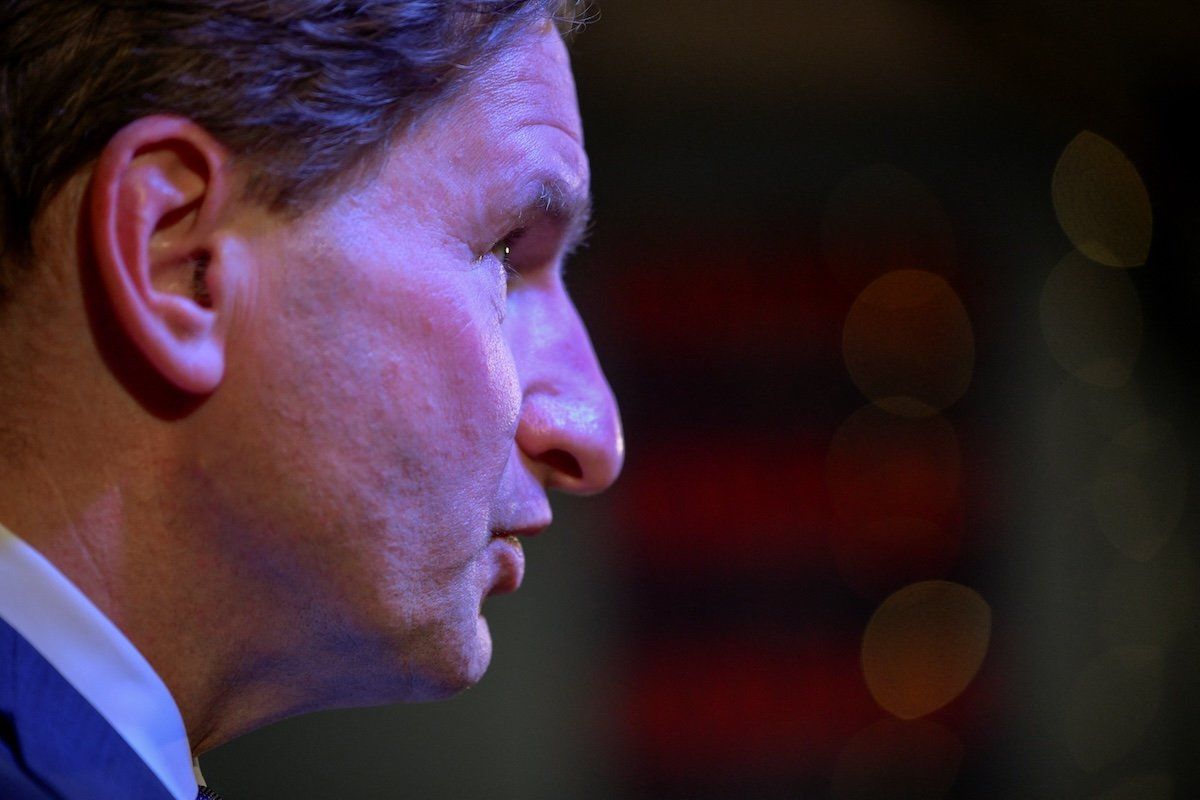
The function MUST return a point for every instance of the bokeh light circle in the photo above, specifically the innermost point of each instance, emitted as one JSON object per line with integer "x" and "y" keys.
{"x": 1141, "y": 488}
{"x": 924, "y": 645}
{"x": 908, "y": 343}
{"x": 898, "y": 759}
{"x": 1143, "y": 607}
{"x": 1109, "y": 707}
{"x": 1101, "y": 202}
{"x": 876, "y": 556}
{"x": 1092, "y": 320}
{"x": 1082, "y": 420}
{"x": 881, "y": 465}
{"x": 881, "y": 218}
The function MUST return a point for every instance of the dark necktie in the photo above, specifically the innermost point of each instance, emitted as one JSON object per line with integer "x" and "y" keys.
{"x": 207, "y": 794}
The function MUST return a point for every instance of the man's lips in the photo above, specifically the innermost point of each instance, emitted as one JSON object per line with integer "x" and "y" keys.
{"x": 510, "y": 557}
{"x": 510, "y": 564}
{"x": 524, "y": 530}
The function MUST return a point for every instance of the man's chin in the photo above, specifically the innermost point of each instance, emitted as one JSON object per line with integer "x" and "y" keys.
{"x": 457, "y": 669}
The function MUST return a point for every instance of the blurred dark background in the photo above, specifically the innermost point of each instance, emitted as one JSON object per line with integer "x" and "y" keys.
{"x": 910, "y": 507}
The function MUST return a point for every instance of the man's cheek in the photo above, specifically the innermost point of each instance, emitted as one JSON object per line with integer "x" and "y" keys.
{"x": 480, "y": 363}
{"x": 505, "y": 386}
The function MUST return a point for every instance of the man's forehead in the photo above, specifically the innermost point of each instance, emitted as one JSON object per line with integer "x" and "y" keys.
{"x": 529, "y": 82}
{"x": 512, "y": 132}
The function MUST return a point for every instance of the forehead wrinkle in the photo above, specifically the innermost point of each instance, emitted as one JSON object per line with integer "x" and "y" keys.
{"x": 532, "y": 84}
{"x": 538, "y": 56}
{"x": 513, "y": 132}
{"x": 516, "y": 143}
{"x": 541, "y": 170}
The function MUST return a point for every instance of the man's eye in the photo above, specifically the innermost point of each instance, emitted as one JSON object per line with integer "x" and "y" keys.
{"x": 503, "y": 250}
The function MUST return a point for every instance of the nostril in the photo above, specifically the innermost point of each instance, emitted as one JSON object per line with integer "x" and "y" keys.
{"x": 563, "y": 462}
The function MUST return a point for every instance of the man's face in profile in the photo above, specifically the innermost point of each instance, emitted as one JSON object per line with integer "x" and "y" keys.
{"x": 411, "y": 379}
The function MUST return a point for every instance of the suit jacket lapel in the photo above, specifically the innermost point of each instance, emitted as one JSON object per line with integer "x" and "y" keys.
{"x": 55, "y": 741}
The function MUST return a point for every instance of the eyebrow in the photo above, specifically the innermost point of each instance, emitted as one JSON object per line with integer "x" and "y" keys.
{"x": 565, "y": 203}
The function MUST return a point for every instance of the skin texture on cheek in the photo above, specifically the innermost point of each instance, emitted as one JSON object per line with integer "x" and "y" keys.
{"x": 383, "y": 411}
{"x": 406, "y": 379}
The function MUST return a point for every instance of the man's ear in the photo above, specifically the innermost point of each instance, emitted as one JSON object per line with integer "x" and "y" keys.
{"x": 159, "y": 194}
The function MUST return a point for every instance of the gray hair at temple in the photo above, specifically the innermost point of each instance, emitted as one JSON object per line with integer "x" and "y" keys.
{"x": 305, "y": 93}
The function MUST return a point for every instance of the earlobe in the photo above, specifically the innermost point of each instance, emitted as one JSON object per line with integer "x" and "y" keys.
{"x": 158, "y": 196}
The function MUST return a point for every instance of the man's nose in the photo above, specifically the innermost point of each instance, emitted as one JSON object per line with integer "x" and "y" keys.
{"x": 569, "y": 426}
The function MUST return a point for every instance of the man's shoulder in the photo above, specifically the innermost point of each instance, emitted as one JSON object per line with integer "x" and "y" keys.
{"x": 53, "y": 743}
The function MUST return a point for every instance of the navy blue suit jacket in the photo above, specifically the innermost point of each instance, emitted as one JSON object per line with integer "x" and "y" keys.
{"x": 53, "y": 744}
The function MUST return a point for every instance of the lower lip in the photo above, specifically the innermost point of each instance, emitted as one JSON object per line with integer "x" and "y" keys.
{"x": 511, "y": 564}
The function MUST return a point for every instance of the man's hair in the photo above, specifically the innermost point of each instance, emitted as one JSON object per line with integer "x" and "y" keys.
{"x": 303, "y": 92}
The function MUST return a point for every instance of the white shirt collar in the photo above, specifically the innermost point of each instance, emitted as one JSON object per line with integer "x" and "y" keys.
{"x": 92, "y": 654}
